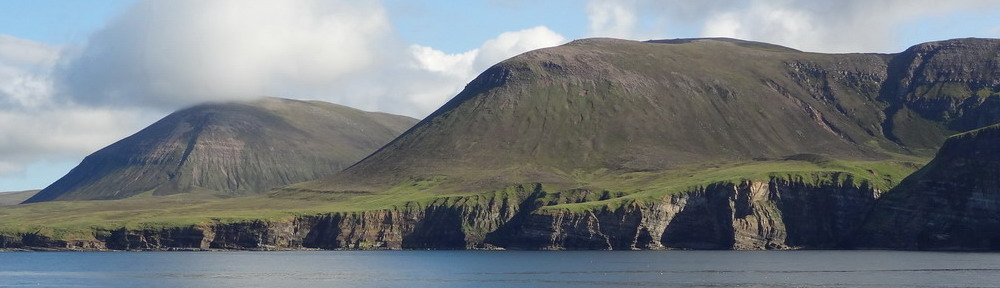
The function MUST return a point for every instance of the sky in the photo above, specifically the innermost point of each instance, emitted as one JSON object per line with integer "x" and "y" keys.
{"x": 76, "y": 76}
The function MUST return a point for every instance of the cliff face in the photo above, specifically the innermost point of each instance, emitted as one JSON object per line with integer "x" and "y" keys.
{"x": 752, "y": 215}
{"x": 774, "y": 214}
{"x": 950, "y": 204}
{"x": 941, "y": 88}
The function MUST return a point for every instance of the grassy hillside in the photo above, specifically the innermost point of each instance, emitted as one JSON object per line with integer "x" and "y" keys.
{"x": 628, "y": 106}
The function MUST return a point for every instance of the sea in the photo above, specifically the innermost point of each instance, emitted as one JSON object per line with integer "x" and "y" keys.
{"x": 299, "y": 269}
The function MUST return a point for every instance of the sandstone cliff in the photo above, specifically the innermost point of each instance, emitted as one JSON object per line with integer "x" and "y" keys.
{"x": 778, "y": 213}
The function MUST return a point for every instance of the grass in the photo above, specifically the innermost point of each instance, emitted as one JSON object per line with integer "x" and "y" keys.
{"x": 645, "y": 186}
{"x": 973, "y": 133}
{"x": 82, "y": 220}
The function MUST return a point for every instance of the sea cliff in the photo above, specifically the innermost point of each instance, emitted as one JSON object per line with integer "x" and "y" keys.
{"x": 778, "y": 213}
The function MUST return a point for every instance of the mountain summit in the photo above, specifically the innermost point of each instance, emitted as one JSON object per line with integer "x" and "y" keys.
{"x": 229, "y": 149}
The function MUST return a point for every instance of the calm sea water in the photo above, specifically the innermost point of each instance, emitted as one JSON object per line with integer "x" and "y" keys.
{"x": 500, "y": 269}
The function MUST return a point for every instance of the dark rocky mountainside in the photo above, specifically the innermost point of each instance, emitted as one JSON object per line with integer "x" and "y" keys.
{"x": 953, "y": 203}
{"x": 230, "y": 149}
{"x": 941, "y": 88}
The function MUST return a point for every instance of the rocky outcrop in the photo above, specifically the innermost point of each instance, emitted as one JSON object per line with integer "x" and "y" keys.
{"x": 779, "y": 213}
{"x": 951, "y": 84}
{"x": 752, "y": 215}
{"x": 950, "y": 204}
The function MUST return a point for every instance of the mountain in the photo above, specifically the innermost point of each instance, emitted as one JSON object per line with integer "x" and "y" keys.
{"x": 950, "y": 204}
{"x": 229, "y": 149}
{"x": 649, "y": 106}
{"x": 15, "y": 197}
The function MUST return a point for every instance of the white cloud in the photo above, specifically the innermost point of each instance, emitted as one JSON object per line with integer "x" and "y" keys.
{"x": 609, "y": 18}
{"x": 461, "y": 68}
{"x": 34, "y": 127}
{"x": 436, "y": 61}
{"x": 766, "y": 22}
{"x": 509, "y": 44}
{"x": 431, "y": 76}
{"x": 23, "y": 88}
{"x": 821, "y": 26}
{"x": 26, "y": 54}
{"x": 60, "y": 134}
{"x": 175, "y": 53}
{"x": 24, "y": 69}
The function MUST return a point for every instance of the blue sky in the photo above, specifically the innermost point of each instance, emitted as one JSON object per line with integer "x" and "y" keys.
{"x": 70, "y": 70}
{"x": 66, "y": 22}
{"x": 57, "y": 22}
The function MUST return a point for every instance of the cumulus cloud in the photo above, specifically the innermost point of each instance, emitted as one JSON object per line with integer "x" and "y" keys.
{"x": 24, "y": 72}
{"x": 168, "y": 54}
{"x": 508, "y": 44}
{"x": 436, "y": 61}
{"x": 175, "y": 53}
{"x": 609, "y": 18}
{"x": 60, "y": 134}
{"x": 821, "y": 26}
{"x": 429, "y": 77}
{"x": 27, "y": 54}
{"x": 831, "y": 26}
{"x": 37, "y": 128}
{"x": 765, "y": 21}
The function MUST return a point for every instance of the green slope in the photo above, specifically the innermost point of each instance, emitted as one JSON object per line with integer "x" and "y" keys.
{"x": 625, "y": 106}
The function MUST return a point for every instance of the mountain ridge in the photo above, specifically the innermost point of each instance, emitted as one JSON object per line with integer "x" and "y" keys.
{"x": 716, "y": 96}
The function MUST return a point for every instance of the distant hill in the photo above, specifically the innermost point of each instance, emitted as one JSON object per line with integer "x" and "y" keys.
{"x": 14, "y": 198}
{"x": 950, "y": 204}
{"x": 646, "y": 106}
{"x": 229, "y": 149}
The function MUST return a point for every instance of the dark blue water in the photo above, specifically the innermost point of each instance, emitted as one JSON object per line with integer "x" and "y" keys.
{"x": 500, "y": 269}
